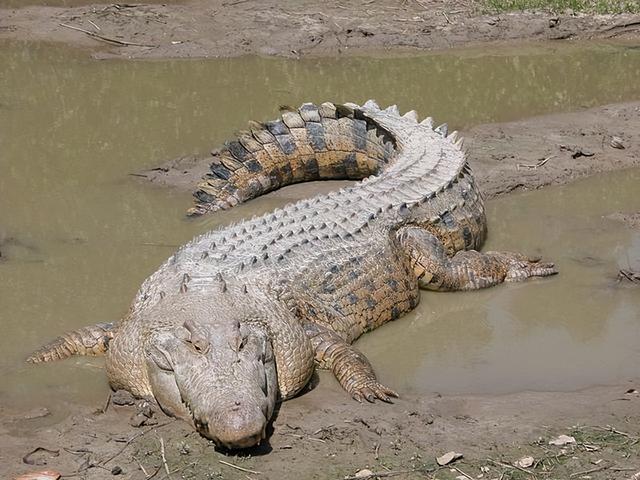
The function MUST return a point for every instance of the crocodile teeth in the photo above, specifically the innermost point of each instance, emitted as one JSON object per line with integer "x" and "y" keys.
{"x": 371, "y": 104}
{"x": 453, "y": 136}
{"x": 411, "y": 115}
{"x": 427, "y": 122}
{"x": 393, "y": 109}
{"x": 442, "y": 130}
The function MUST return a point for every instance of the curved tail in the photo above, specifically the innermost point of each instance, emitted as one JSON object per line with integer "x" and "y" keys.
{"x": 92, "y": 340}
{"x": 322, "y": 142}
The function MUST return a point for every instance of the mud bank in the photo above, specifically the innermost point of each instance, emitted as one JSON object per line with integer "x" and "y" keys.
{"x": 230, "y": 28}
{"x": 324, "y": 435}
{"x": 521, "y": 155}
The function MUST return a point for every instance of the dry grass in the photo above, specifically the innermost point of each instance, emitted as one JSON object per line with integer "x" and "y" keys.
{"x": 559, "y": 6}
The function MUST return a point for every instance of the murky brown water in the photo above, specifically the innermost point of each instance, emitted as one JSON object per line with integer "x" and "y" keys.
{"x": 81, "y": 234}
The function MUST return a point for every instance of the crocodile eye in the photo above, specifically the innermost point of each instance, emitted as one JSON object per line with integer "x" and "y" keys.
{"x": 200, "y": 345}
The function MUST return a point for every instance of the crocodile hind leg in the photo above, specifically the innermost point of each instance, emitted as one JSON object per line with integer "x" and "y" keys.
{"x": 467, "y": 269}
{"x": 92, "y": 340}
{"x": 351, "y": 368}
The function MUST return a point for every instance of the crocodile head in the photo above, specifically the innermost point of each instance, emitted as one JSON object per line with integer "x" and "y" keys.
{"x": 217, "y": 372}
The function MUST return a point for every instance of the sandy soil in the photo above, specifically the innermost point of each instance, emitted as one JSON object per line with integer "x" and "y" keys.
{"x": 212, "y": 28}
{"x": 323, "y": 434}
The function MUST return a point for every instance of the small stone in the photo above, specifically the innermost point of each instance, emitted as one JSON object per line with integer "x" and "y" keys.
{"x": 524, "y": 462}
{"x": 365, "y": 472}
{"x": 562, "y": 440}
{"x": 116, "y": 470}
{"x": 448, "y": 458}
{"x": 138, "y": 420}
{"x": 145, "y": 408}
{"x": 616, "y": 142}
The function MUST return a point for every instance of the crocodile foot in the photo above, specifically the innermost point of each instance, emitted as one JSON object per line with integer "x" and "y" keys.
{"x": 520, "y": 267}
{"x": 370, "y": 390}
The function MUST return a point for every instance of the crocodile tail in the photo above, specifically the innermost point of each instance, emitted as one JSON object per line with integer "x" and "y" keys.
{"x": 92, "y": 340}
{"x": 314, "y": 142}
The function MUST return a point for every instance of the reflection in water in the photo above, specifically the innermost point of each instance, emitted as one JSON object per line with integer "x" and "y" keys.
{"x": 71, "y": 129}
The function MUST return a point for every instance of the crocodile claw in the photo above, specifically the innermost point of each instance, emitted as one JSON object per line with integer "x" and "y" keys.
{"x": 521, "y": 267}
{"x": 372, "y": 390}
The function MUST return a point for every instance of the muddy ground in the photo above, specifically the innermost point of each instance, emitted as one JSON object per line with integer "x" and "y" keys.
{"x": 205, "y": 28}
{"x": 323, "y": 434}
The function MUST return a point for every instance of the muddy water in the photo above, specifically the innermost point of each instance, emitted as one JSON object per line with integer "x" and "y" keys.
{"x": 78, "y": 234}
{"x": 567, "y": 332}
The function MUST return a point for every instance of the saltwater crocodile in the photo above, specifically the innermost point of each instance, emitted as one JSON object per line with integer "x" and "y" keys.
{"x": 237, "y": 318}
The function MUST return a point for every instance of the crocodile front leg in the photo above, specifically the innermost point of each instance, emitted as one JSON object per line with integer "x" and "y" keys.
{"x": 466, "y": 270}
{"x": 351, "y": 368}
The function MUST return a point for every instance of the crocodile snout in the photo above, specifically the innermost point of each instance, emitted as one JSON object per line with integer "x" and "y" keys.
{"x": 239, "y": 429}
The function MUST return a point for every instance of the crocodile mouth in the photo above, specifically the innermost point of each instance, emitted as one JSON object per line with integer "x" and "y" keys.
{"x": 233, "y": 433}
{"x": 232, "y": 438}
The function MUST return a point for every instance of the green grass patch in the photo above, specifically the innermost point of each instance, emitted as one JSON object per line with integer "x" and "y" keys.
{"x": 559, "y": 6}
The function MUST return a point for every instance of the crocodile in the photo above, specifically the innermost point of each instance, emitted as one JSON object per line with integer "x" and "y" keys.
{"x": 238, "y": 318}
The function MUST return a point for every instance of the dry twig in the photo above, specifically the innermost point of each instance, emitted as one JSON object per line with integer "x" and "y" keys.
{"x": 390, "y": 473}
{"x": 239, "y": 468}
{"x": 591, "y": 470}
{"x": 164, "y": 458}
{"x": 535, "y": 165}
{"x": 105, "y": 39}
{"x": 136, "y": 436}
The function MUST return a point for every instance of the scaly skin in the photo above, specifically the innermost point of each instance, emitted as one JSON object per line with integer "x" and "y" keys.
{"x": 296, "y": 287}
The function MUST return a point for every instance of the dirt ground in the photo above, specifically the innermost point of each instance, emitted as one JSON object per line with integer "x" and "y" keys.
{"x": 322, "y": 434}
{"x": 222, "y": 28}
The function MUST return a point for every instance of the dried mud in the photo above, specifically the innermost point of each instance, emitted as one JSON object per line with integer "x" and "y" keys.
{"x": 202, "y": 28}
